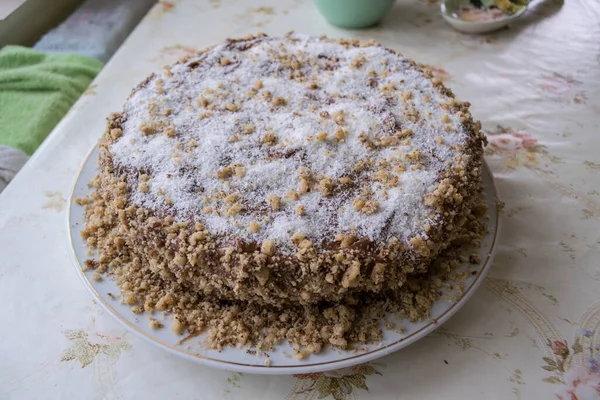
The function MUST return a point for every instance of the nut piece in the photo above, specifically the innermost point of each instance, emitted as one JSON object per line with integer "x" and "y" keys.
{"x": 234, "y": 209}
{"x": 180, "y": 260}
{"x": 178, "y": 326}
{"x": 267, "y": 247}
{"x": 338, "y": 117}
{"x": 275, "y": 202}
{"x": 155, "y": 324}
{"x": 340, "y": 134}
{"x": 254, "y": 227}
{"x": 262, "y": 275}
{"x": 300, "y": 209}
{"x": 370, "y": 207}
{"x": 197, "y": 237}
{"x": 377, "y": 273}
{"x": 420, "y": 245}
{"x": 414, "y": 155}
{"x": 248, "y": 128}
{"x": 267, "y": 95}
{"x": 231, "y": 107}
{"x": 225, "y": 61}
{"x": 358, "y": 62}
{"x": 147, "y": 129}
{"x": 224, "y": 173}
{"x": 351, "y": 274}
{"x": 304, "y": 172}
{"x": 203, "y": 101}
{"x": 240, "y": 172}
{"x": 115, "y": 133}
{"x": 358, "y": 203}
{"x": 305, "y": 244}
{"x": 345, "y": 240}
{"x": 321, "y": 136}
{"x": 129, "y": 299}
{"x": 439, "y": 139}
{"x": 326, "y": 186}
{"x": 400, "y": 168}
{"x": 303, "y": 187}
{"x": 258, "y": 85}
{"x": 297, "y": 237}
{"x": 278, "y": 101}
{"x": 404, "y": 133}
{"x": 388, "y": 141}
{"x": 344, "y": 180}
{"x": 232, "y": 198}
{"x": 292, "y": 195}
{"x": 269, "y": 138}
{"x": 387, "y": 178}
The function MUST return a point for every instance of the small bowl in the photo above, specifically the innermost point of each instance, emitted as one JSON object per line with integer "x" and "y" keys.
{"x": 449, "y": 7}
{"x": 354, "y": 14}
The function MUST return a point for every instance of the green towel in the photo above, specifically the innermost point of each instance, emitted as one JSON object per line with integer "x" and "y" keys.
{"x": 36, "y": 91}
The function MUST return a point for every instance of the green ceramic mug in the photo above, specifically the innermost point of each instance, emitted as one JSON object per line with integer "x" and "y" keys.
{"x": 354, "y": 13}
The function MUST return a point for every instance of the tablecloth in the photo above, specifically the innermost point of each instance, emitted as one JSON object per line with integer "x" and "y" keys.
{"x": 532, "y": 331}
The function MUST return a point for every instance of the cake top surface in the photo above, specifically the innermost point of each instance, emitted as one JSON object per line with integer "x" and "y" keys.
{"x": 266, "y": 137}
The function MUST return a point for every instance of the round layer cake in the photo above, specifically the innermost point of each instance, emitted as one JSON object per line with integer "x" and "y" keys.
{"x": 289, "y": 170}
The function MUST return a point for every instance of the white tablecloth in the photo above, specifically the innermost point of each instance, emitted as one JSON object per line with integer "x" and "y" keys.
{"x": 532, "y": 331}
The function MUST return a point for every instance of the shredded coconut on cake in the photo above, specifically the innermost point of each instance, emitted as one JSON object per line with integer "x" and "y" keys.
{"x": 357, "y": 136}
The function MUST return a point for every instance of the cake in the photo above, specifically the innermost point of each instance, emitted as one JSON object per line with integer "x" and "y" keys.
{"x": 289, "y": 171}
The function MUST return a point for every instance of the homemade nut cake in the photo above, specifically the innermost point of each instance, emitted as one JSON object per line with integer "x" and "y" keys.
{"x": 284, "y": 171}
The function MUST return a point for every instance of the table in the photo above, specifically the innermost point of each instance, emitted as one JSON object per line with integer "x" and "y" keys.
{"x": 531, "y": 331}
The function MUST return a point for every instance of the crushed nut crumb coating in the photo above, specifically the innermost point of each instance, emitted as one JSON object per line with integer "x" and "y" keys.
{"x": 308, "y": 328}
{"x": 284, "y": 214}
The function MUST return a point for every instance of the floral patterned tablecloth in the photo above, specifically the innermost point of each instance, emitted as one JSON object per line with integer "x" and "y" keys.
{"x": 532, "y": 331}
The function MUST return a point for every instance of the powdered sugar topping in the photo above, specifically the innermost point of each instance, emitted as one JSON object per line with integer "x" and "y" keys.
{"x": 265, "y": 138}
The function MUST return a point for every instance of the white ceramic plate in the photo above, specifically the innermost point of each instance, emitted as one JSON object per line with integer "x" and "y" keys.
{"x": 281, "y": 360}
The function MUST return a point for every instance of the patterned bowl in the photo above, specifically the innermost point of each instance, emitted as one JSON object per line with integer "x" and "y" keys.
{"x": 449, "y": 7}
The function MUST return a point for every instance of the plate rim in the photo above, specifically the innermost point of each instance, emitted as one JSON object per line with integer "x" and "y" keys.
{"x": 261, "y": 368}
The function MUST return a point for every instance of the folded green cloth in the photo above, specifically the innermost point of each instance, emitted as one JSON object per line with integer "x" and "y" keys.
{"x": 37, "y": 90}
